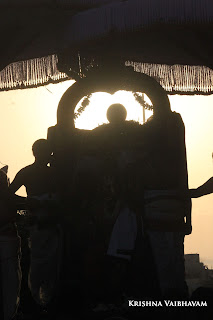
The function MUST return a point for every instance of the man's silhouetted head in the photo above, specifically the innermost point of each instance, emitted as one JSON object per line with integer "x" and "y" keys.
{"x": 116, "y": 113}
{"x": 41, "y": 151}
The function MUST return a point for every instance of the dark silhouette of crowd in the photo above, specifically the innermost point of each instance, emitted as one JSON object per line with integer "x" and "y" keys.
{"x": 103, "y": 222}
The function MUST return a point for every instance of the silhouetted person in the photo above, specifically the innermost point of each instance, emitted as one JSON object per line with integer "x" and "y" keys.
{"x": 37, "y": 177}
{"x": 45, "y": 234}
{"x": 10, "y": 251}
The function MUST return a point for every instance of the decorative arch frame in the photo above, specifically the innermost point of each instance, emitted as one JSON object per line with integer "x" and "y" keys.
{"x": 109, "y": 82}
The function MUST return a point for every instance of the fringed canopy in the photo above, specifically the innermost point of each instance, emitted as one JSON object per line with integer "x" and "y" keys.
{"x": 175, "y": 79}
{"x": 31, "y": 73}
{"x": 179, "y": 79}
{"x": 51, "y": 41}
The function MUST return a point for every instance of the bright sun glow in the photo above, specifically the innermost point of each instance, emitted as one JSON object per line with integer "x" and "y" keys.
{"x": 95, "y": 112}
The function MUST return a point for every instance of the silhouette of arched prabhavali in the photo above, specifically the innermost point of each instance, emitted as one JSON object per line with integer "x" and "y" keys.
{"x": 110, "y": 83}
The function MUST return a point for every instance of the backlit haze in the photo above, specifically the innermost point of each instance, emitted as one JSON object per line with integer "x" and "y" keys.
{"x": 25, "y": 116}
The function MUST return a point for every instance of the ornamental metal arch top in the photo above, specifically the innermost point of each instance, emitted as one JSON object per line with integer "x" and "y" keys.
{"x": 110, "y": 82}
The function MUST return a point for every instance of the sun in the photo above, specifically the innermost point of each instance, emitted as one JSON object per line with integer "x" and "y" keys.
{"x": 95, "y": 113}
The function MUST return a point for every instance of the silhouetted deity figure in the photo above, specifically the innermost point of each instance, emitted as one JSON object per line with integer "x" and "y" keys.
{"x": 112, "y": 146}
{"x": 45, "y": 234}
{"x": 149, "y": 163}
{"x": 124, "y": 180}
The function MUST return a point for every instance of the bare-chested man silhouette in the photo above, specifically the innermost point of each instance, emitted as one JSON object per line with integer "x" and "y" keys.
{"x": 45, "y": 239}
{"x": 37, "y": 177}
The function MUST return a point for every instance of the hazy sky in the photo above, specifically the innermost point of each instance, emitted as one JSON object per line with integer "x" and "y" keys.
{"x": 26, "y": 114}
